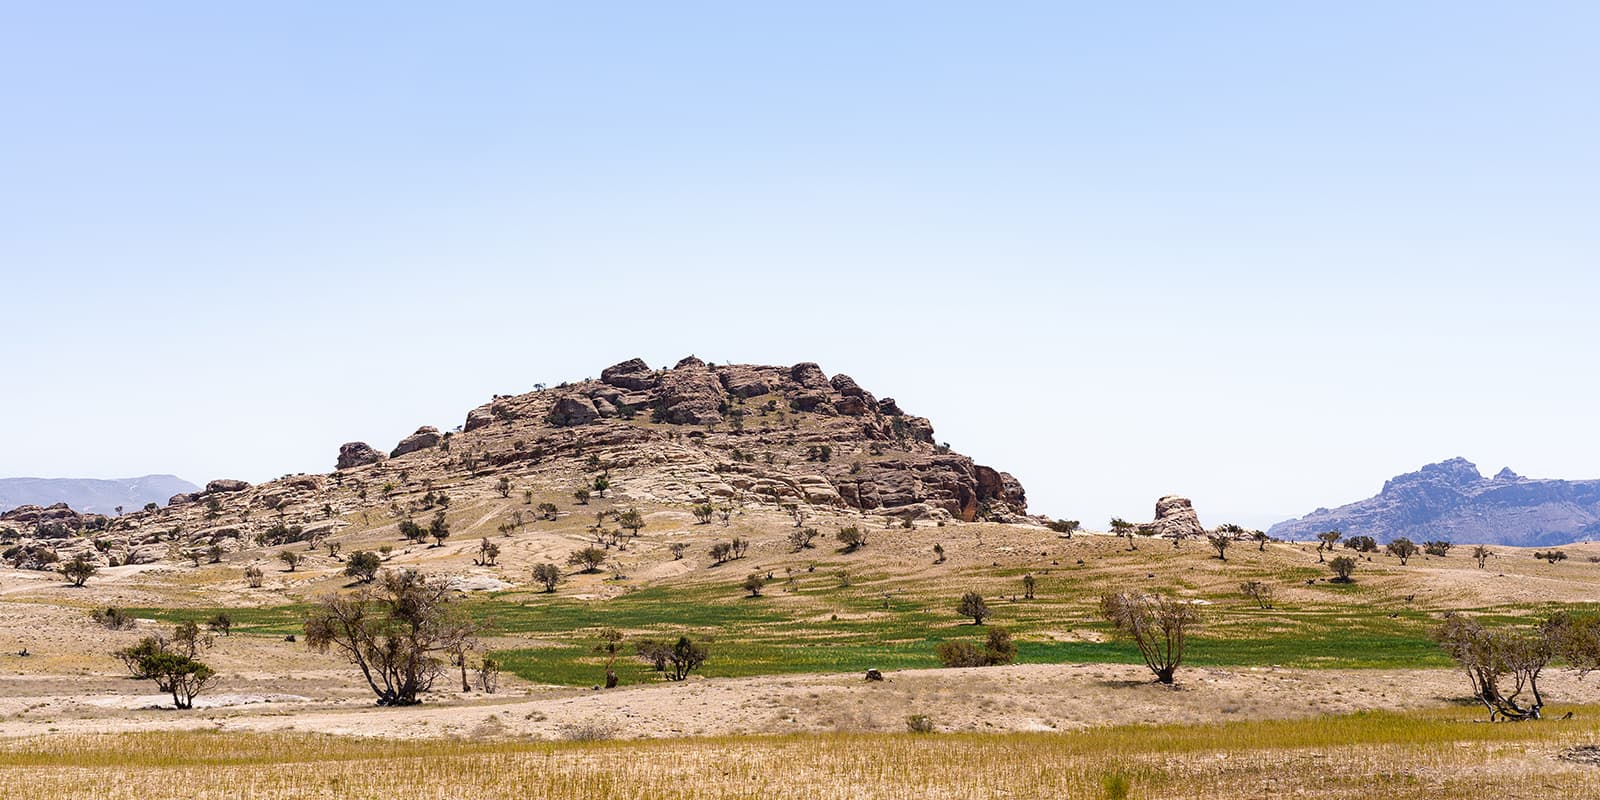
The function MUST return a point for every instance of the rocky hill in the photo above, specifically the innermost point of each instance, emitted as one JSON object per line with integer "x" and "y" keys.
{"x": 92, "y": 495}
{"x": 732, "y": 436}
{"x": 1452, "y": 500}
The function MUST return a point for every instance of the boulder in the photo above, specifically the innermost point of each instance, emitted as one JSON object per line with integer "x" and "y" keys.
{"x": 183, "y": 498}
{"x": 631, "y": 374}
{"x": 478, "y": 417}
{"x": 426, "y": 436}
{"x": 689, "y": 362}
{"x": 225, "y": 485}
{"x": 573, "y": 410}
{"x": 810, "y": 376}
{"x": 356, "y": 454}
{"x": 744, "y": 381}
{"x": 1175, "y": 518}
{"x": 691, "y": 396}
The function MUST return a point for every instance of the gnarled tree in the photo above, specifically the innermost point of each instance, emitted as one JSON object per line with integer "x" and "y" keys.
{"x": 398, "y": 632}
{"x": 1158, "y": 625}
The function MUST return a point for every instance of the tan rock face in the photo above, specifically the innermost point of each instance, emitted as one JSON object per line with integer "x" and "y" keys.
{"x": 731, "y": 434}
{"x": 1175, "y": 517}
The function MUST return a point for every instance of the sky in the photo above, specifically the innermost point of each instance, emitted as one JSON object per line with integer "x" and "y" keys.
{"x": 1264, "y": 255}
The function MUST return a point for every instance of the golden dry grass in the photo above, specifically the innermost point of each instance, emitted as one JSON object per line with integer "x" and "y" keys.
{"x": 1440, "y": 754}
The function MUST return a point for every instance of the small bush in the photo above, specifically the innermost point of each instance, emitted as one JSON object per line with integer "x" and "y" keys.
{"x": 919, "y": 723}
{"x": 113, "y": 618}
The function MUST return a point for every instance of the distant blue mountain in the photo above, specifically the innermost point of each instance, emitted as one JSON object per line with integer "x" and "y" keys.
{"x": 92, "y": 495}
{"x": 1452, "y": 500}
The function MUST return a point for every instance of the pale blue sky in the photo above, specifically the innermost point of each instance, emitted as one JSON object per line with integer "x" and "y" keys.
{"x": 1262, "y": 254}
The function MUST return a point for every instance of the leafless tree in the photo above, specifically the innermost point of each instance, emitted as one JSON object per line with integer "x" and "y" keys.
{"x": 1158, "y": 625}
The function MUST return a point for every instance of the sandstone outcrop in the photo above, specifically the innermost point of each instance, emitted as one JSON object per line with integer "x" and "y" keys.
{"x": 426, "y": 436}
{"x": 357, "y": 454}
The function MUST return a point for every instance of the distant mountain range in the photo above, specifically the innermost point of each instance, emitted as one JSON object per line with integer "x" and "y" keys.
{"x": 1452, "y": 500}
{"x": 92, "y": 495}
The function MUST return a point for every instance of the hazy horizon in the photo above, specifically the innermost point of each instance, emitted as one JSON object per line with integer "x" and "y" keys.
{"x": 1262, "y": 257}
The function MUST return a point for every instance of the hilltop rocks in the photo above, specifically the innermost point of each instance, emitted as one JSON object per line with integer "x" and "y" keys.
{"x": 691, "y": 395}
{"x": 810, "y": 376}
{"x": 743, "y": 381}
{"x": 426, "y": 436}
{"x": 1175, "y": 519}
{"x": 52, "y": 515}
{"x": 226, "y": 485}
{"x": 357, "y": 454}
{"x": 1452, "y": 500}
{"x": 573, "y": 410}
{"x": 631, "y": 374}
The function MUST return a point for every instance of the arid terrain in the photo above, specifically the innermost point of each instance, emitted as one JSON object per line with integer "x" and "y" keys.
{"x": 1282, "y": 698}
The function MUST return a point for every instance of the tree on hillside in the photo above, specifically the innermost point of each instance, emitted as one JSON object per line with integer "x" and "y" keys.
{"x": 1362, "y": 544}
{"x": 503, "y": 486}
{"x": 610, "y": 644}
{"x": 1220, "y": 542}
{"x": 753, "y": 584}
{"x": 79, "y": 570}
{"x": 1437, "y": 548}
{"x": 547, "y": 510}
{"x": 362, "y": 565}
{"x": 601, "y": 484}
{"x": 290, "y": 559}
{"x": 704, "y": 512}
{"x": 1262, "y": 593}
{"x": 853, "y": 537}
{"x": 589, "y": 559}
{"x": 1158, "y": 625}
{"x": 1325, "y": 541}
{"x": 632, "y": 520}
{"x": 1065, "y": 526}
{"x": 1342, "y": 567}
{"x": 1551, "y": 556}
{"x": 547, "y": 575}
{"x": 1261, "y": 538}
{"x": 801, "y": 539}
{"x": 582, "y": 496}
{"x": 1403, "y": 549}
{"x": 972, "y": 605}
{"x": 397, "y": 632}
{"x": 439, "y": 529}
{"x": 1029, "y": 583}
{"x": 1481, "y": 554}
{"x": 684, "y": 657}
{"x": 172, "y": 663}
{"x": 253, "y": 576}
{"x": 1124, "y": 528}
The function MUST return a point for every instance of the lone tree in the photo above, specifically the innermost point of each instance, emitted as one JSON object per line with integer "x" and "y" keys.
{"x": 1066, "y": 527}
{"x": 1261, "y": 538}
{"x": 547, "y": 575}
{"x": 1220, "y": 542}
{"x": 503, "y": 486}
{"x": 631, "y": 519}
{"x": 1342, "y": 566}
{"x": 362, "y": 565}
{"x": 1158, "y": 625}
{"x": 171, "y": 663}
{"x": 610, "y": 644}
{"x": 253, "y": 577}
{"x": 1403, "y": 549}
{"x": 1437, "y": 548}
{"x": 801, "y": 539}
{"x": 1262, "y": 593}
{"x": 1551, "y": 556}
{"x": 684, "y": 657}
{"x": 601, "y": 484}
{"x": 753, "y": 584}
{"x": 582, "y": 496}
{"x": 1481, "y": 555}
{"x": 997, "y": 649}
{"x": 1325, "y": 541}
{"x": 972, "y": 605}
{"x": 1491, "y": 656}
{"x": 439, "y": 529}
{"x": 1362, "y": 544}
{"x": 852, "y": 537}
{"x": 589, "y": 558}
{"x": 1029, "y": 583}
{"x": 79, "y": 570}
{"x": 290, "y": 559}
{"x": 399, "y": 632}
{"x": 704, "y": 512}
{"x": 1124, "y": 528}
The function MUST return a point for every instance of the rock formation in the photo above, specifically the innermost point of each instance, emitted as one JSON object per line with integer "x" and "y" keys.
{"x": 1175, "y": 518}
{"x": 752, "y": 436}
{"x": 1452, "y": 500}
{"x": 357, "y": 454}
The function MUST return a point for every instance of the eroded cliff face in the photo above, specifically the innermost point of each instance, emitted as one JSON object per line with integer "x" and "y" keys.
{"x": 1452, "y": 500}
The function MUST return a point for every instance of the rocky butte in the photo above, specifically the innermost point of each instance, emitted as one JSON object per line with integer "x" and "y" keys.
{"x": 1452, "y": 500}
{"x": 789, "y": 437}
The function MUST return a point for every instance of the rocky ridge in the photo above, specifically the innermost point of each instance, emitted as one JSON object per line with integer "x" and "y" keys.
{"x": 744, "y": 435}
{"x": 1452, "y": 500}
